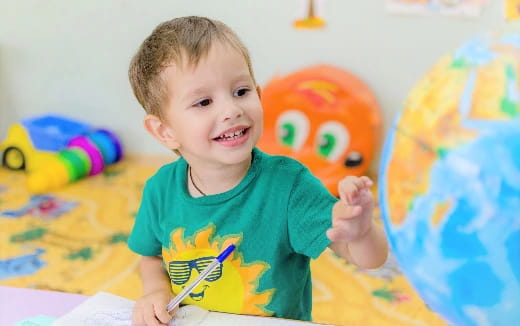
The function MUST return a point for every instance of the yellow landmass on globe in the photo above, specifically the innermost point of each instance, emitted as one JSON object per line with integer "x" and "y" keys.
{"x": 431, "y": 123}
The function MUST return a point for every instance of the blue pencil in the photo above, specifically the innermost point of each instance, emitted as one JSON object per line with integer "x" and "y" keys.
{"x": 187, "y": 290}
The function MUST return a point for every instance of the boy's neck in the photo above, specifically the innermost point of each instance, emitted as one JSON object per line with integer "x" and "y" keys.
{"x": 212, "y": 181}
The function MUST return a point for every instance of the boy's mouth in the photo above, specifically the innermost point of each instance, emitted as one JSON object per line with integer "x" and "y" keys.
{"x": 232, "y": 134}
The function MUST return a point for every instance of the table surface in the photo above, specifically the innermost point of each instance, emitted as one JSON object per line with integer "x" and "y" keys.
{"x": 17, "y": 304}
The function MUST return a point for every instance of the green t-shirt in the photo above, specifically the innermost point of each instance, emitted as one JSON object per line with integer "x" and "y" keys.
{"x": 276, "y": 216}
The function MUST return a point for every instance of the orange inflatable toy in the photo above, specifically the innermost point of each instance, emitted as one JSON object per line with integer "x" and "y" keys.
{"x": 324, "y": 117}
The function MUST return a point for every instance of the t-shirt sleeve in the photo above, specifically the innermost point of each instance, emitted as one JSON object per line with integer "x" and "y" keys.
{"x": 309, "y": 215}
{"x": 145, "y": 236}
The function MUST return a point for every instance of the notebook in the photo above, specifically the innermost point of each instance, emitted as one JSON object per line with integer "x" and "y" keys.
{"x": 105, "y": 309}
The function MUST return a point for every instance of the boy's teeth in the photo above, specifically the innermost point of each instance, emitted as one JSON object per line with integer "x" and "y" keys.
{"x": 232, "y": 135}
{"x": 236, "y": 133}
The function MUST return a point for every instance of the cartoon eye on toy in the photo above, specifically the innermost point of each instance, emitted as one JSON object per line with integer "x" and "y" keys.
{"x": 332, "y": 138}
{"x": 292, "y": 129}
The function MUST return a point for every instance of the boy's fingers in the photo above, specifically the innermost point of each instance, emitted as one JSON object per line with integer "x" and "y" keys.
{"x": 331, "y": 234}
{"x": 348, "y": 192}
{"x": 137, "y": 317}
{"x": 162, "y": 314}
{"x": 342, "y": 211}
{"x": 344, "y": 231}
{"x": 350, "y": 212}
{"x": 357, "y": 182}
{"x": 337, "y": 234}
{"x": 149, "y": 317}
{"x": 367, "y": 181}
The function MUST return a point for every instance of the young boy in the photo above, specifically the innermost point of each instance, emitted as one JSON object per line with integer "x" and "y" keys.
{"x": 193, "y": 76}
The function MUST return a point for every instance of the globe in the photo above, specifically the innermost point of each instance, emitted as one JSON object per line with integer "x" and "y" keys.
{"x": 450, "y": 183}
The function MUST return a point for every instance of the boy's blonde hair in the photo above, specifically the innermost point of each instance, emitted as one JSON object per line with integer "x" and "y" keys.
{"x": 185, "y": 38}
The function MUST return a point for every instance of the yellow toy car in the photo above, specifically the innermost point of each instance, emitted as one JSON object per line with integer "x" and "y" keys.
{"x": 34, "y": 140}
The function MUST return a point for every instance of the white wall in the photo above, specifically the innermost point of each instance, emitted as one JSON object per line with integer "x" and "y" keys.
{"x": 71, "y": 57}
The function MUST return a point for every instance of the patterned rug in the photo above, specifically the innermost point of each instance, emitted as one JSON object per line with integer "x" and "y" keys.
{"x": 74, "y": 240}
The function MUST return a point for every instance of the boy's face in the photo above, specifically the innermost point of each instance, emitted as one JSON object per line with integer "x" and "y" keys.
{"x": 213, "y": 113}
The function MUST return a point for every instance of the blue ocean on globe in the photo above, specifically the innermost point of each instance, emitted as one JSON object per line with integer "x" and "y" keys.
{"x": 474, "y": 258}
{"x": 465, "y": 264}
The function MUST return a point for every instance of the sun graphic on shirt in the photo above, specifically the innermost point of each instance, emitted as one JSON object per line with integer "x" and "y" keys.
{"x": 232, "y": 287}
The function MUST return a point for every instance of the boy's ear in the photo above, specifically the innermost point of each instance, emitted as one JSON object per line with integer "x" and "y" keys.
{"x": 161, "y": 131}
{"x": 259, "y": 92}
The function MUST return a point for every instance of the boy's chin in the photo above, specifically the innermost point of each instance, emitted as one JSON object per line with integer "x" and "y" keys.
{"x": 237, "y": 156}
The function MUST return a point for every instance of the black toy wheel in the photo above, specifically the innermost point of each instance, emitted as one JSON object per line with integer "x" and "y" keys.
{"x": 13, "y": 159}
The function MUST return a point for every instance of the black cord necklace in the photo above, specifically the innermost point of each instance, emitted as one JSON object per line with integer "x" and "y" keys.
{"x": 193, "y": 182}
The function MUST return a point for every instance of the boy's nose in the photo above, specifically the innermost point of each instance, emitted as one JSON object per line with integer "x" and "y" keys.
{"x": 232, "y": 110}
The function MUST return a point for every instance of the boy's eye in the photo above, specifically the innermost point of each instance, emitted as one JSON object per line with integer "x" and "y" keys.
{"x": 241, "y": 92}
{"x": 204, "y": 102}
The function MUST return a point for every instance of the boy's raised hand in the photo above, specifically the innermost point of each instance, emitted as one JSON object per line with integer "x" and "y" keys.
{"x": 150, "y": 310}
{"x": 352, "y": 214}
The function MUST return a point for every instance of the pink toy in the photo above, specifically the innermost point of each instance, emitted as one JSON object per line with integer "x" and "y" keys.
{"x": 96, "y": 158}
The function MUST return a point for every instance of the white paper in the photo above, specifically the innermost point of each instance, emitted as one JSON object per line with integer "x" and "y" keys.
{"x": 105, "y": 309}
{"x": 102, "y": 309}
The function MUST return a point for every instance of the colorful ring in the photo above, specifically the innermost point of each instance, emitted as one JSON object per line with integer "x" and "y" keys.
{"x": 96, "y": 158}
{"x": 85, "y": 165}
{"x": 77, "y": 162}
{"x": 115, "y": 140}
{"x": 105, "y": 145}
{"x": 71, "y": 171}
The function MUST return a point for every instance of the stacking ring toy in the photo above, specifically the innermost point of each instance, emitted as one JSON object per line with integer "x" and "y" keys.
{"x": 92, "y": 151}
